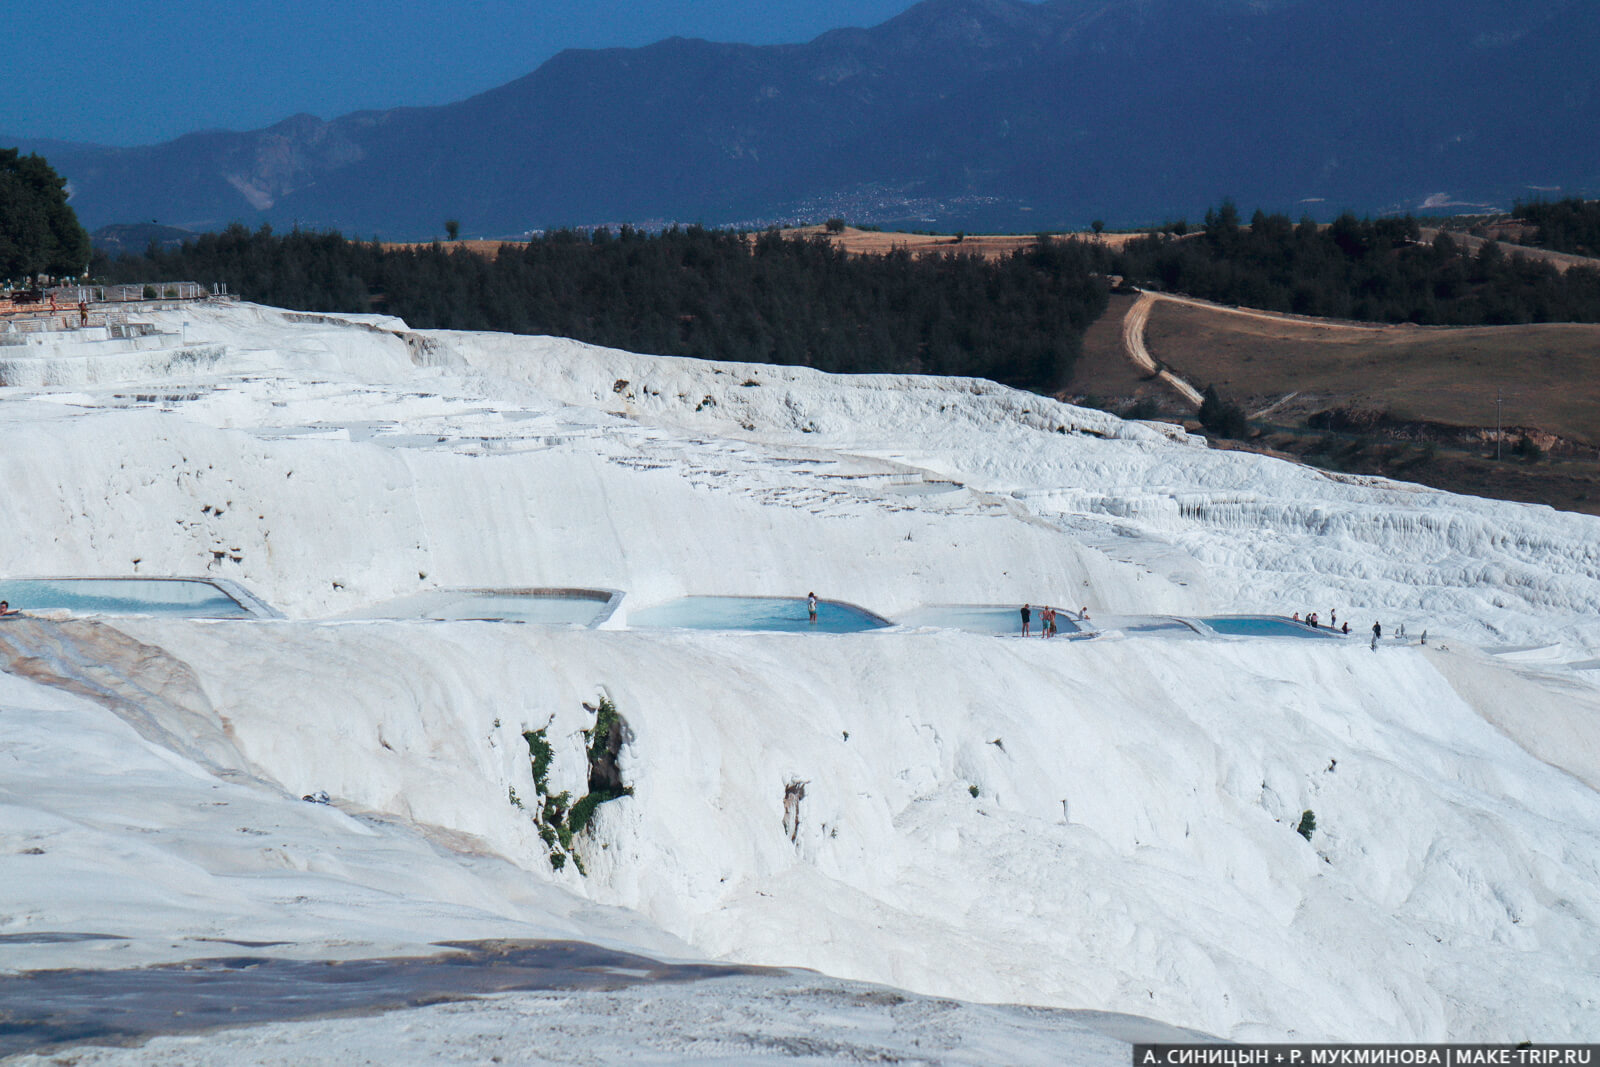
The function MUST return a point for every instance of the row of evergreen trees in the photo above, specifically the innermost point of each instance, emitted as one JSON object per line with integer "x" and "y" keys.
{"x": 1569, "y": 225}
{"x": 762, "y": 298}
{"x": 1372, "y": 270}
{"x": 770, "y": 298}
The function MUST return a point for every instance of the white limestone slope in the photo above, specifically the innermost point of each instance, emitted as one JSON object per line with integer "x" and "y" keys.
{"x": 1131, "y": 843}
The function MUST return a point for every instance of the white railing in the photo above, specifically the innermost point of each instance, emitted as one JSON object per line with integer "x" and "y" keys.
{"x": 122, "y": 294}
{"x": 73, "y": 307}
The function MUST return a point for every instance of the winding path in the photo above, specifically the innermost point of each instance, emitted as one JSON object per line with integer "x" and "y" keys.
{"x": 1138, "y": 316}
{"x": 1133, "y": 343}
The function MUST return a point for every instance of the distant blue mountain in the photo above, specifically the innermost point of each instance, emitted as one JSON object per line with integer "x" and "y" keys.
{"x": 957, "y": 114}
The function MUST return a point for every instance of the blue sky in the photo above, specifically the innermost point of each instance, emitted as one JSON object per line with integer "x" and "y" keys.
{"x": 144, "y": 71}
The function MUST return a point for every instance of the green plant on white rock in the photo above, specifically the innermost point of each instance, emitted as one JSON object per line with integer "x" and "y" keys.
{"x": 559, "y": 819}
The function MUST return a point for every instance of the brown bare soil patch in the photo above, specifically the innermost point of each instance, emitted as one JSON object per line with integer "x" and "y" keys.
{"x": 1105, "y": 377}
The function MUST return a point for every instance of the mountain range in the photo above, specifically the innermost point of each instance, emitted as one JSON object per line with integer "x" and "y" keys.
{"x": 975, "y": 114}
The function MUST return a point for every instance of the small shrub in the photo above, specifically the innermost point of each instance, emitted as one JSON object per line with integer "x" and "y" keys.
{"x": 973, "y": 790}
{"x": 1222, "y": 417}
{"x": 558, "y": 818}
{"x": 598, "y": 736}
{"x": 1308, "y": 824}
{"x": 1146, "y": 407}
{"x": 541, "y": 753}
{"x": 583, "y": 810}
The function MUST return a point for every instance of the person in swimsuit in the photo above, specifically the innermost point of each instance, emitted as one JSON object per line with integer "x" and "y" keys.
{"x": 1027, "y": 617}
{"x": 811, "y": 605}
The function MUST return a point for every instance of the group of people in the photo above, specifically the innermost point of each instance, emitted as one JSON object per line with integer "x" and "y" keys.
{"x": 1047, "y": 619}
{"x": 1047, "y": 622}
{"x": 1314, "y": 621}
{"x": 1333, "y": 619}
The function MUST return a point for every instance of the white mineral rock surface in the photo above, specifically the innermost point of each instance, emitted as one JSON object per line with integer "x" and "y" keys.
{"x": 1103, "y": 825}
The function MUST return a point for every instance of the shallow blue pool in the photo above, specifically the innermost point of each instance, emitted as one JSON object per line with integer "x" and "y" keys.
{"x": 755, "y": 613}
{"x": 192, "y": 598}
{"x": 981, "y": 618}
{"x": 1265, "y": 626}
{"x": 546, "y": 607}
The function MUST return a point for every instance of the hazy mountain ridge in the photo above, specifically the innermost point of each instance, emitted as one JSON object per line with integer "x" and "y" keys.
{"x": 1031, "y": 116}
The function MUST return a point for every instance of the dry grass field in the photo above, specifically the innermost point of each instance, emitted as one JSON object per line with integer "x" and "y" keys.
{"x": 1549, "y": 375}
{"x": 1409, "y": 402}
{"x": 990, "y": 246}
{"x": 1105, "y": 375}
{"x": 487, "y": 249}
{"x": 865, "y": 242}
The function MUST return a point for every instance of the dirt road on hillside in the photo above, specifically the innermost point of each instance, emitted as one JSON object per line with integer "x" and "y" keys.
{"x": 1133, "y": 331}
{"x": 1283, "y": 316}
{"x": 1133, "y": 343}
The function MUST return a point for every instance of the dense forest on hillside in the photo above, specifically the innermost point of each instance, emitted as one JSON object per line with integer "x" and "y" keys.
{"x": 763, "y": 298}
{"x": 771, "y": 298}
{"x": 1570, "y": 225}
{"x": 1373, "y": 270}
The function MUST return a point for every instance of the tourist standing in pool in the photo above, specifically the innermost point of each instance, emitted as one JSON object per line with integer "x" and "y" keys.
{"x": 1027, "y": 618}
{"x": 811, "y": 605}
